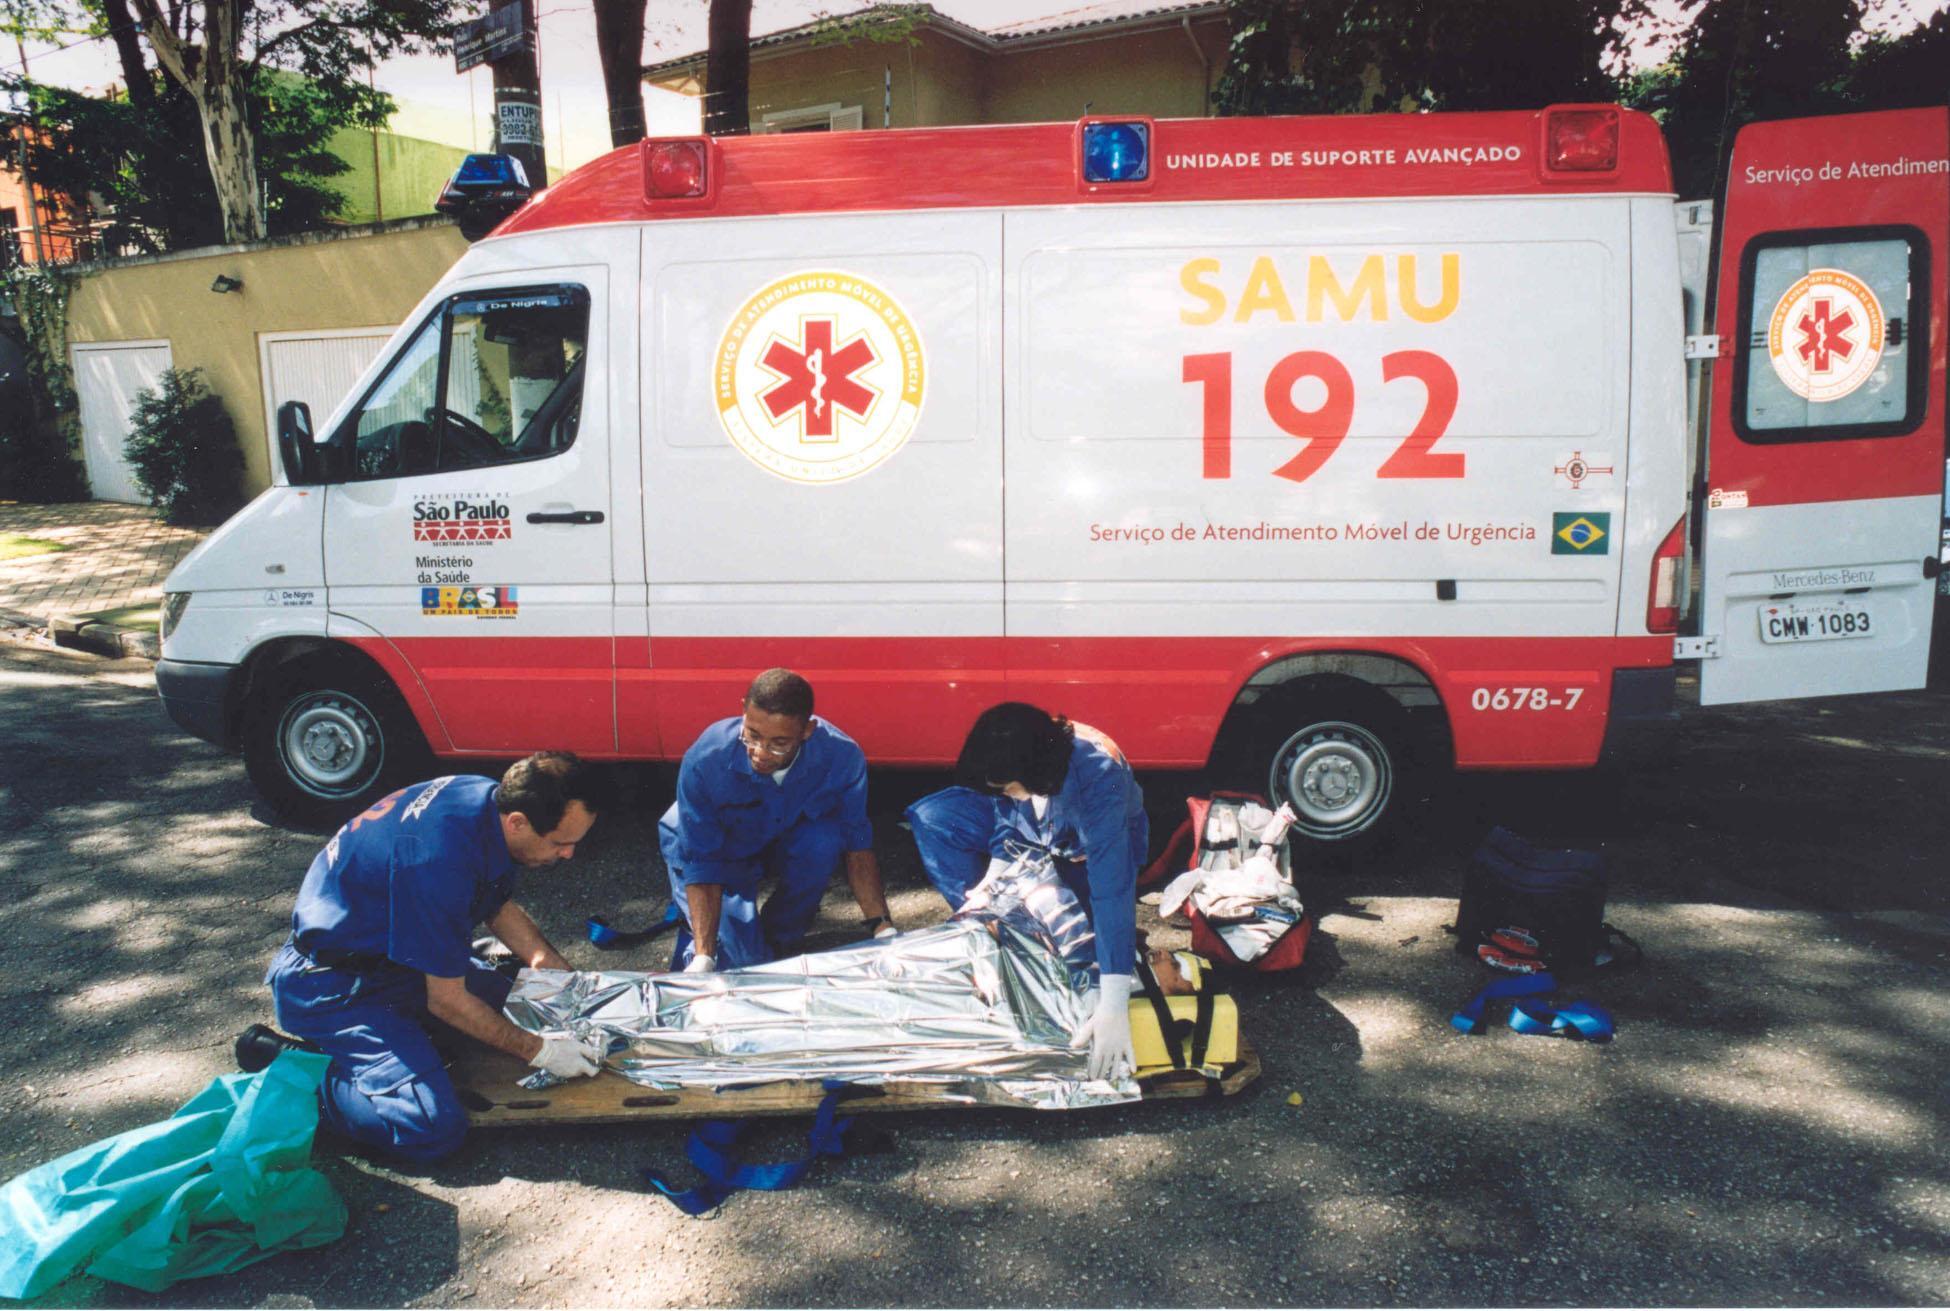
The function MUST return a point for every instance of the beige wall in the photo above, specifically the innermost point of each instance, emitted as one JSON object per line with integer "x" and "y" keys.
{"x": 828, "y": 75}
{"x": 938, "y": 80}
{"x": 349, "y": 282}
{"x": 946, "y": 77}
{"x": 1151, "y": 73}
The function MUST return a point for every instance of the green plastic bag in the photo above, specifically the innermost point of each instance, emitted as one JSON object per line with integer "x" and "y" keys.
{"x": 224, "y": 1182}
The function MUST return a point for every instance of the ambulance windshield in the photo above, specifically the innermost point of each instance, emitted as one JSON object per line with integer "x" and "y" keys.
{"x": 491, "y": 379}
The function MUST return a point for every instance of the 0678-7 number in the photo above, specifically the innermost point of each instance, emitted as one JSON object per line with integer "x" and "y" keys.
{"x": 1524, "y": 698}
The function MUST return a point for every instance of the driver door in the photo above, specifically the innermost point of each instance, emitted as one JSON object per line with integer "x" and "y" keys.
{"x": 467, "y": 536}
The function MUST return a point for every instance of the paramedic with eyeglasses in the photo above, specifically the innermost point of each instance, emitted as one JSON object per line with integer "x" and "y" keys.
{"x": 1028, "y": 780}
{"x": 381, "y": 947}
{"x": 770, "y": 791}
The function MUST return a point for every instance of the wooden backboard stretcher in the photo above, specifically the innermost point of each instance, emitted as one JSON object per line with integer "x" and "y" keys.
{"x": 486, "y": 1080}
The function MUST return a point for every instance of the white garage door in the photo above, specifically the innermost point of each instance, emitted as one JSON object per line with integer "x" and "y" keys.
{"x": 317, "y": 368}
{"x": 107, "y": 376}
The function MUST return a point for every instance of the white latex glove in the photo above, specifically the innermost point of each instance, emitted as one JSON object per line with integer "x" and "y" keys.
{"x": 1108, "y": 1030}
{"x": 566, "y": 1056}
{"x": 701, "y": 964}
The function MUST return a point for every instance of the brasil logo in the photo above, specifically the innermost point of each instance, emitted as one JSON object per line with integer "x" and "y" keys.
{"x": 1826, "y": 335}
{"x": 819, "y": 377}
{"x": 1575, "y": 533}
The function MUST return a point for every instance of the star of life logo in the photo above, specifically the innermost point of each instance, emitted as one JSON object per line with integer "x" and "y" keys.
{"x": 1826, "y": 335}
{"x": 819, "y": 377}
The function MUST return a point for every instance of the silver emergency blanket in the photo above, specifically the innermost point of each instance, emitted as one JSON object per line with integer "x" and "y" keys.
{"x": 981, "y": 1007}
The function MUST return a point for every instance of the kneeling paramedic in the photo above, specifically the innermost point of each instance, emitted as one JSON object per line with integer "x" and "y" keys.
{"x": 1028, "y": 780}
{"x": 769, "y": 791}
{"x": 381, "y": 945}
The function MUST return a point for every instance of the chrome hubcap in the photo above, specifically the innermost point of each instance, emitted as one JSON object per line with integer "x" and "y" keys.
{"x": 1337, "y": 776}
{"x": 330, "y": 743}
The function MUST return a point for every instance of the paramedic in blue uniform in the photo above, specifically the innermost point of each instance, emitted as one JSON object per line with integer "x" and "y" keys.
{"x": 381, "y": 943}
{"x": 770, "y": 791}
{"x": 1030, "y": 780}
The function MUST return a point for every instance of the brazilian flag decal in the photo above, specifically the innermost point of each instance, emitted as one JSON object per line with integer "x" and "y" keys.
{"x": 1581, "y": 533}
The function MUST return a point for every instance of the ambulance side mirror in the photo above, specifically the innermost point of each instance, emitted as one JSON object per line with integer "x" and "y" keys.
{"x": 295, "y": 447}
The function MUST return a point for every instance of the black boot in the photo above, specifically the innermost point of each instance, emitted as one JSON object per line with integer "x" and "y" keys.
{"x": 260, "y": 1044}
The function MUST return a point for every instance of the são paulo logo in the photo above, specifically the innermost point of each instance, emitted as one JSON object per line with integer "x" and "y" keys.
{"x": 819, "y": 377}
{"x": 1825, "y": 337}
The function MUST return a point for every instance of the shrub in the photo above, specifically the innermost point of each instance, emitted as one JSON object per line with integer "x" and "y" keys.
{"x": 183, "y": 451}
{"x": 33, "y": 465}
{"x": 36, "y": 459}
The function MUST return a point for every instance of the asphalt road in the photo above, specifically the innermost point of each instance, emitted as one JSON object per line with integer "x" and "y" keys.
{"x": 1766, "y": 1129}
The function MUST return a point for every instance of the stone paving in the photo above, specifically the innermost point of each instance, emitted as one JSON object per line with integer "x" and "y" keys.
{"x": 117, "y": 556}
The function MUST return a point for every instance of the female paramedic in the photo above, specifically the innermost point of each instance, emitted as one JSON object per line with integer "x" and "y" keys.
{"x": 1030, "y": 780}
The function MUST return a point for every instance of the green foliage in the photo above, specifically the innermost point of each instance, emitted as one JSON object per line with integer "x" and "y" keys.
{"x": 1366, "y": 56}
{"x": 1742, "y": 60}
{"x": 39, "y": 441}
{"x": 1904, "y": 72}
{"x": 1733, "y": 62}
{"x": 879, "y": 24}
{"x": 146, "y": 164}
{"x": 299, "y": 69}
{"x": 330, "y": 43}
{"x": 183, "y": 451}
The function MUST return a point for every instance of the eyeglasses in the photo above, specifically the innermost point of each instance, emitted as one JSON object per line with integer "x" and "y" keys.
{"x": 771, "y": 746}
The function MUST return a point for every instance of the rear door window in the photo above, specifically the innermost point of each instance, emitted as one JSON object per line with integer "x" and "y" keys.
{"x": 1834, "y": 335}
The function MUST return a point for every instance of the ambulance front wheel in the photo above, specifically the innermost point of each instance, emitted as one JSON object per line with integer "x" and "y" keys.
{"x": 327, "y": 740}
{"x": 1338, "y": 762}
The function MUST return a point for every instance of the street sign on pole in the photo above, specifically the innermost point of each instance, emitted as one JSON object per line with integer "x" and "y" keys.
{"x": 505, "y": 30}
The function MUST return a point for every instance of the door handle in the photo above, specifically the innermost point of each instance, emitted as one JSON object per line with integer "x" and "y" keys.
{"x": 566, "y": 516}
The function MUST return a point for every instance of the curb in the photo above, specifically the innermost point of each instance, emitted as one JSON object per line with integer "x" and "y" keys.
{"x": 92, "y": 635}
{"x": 104, "y": 639}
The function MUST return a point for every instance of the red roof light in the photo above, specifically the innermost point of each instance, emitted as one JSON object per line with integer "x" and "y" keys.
{"x": 675, "y": 170}
{"x": 1581, "y": 140}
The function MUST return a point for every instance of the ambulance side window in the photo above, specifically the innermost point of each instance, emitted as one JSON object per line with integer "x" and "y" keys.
{"x": 391, "y": 436}
{"x": 1834, "y": 335}
{"x": 490, "y": 379}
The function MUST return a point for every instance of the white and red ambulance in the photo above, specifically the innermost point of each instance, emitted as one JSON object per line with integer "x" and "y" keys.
{"x": 1266, "y": 444}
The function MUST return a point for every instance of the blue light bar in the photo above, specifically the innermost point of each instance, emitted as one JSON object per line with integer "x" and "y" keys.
{"x": 1116, "y": 152}
{"x": 490, "y": 171}
{"x": 484, "y": 190}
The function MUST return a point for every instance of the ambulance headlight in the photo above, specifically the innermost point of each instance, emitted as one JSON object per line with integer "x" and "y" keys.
{"x": 1116, "y": 152}
{"x": 173, "y": 605}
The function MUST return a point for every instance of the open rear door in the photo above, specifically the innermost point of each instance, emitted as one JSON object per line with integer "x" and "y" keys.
{"x": 1825, "y": 452}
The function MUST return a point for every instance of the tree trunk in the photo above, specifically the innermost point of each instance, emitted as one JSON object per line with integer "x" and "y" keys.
{"x": 218, "y": 81}
{"x": 728, "y": 70}
{"x": 121, "y": 27}
{"x": 619, "y": 43}
{"x": 232, "y": 152}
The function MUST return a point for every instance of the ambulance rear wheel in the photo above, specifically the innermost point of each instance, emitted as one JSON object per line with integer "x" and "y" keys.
{"x": 327, "y": 740}
{"x": 1338, "y": 761}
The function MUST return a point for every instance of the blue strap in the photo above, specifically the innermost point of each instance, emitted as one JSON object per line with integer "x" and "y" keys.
{"x": 1470, "y": 1018}
{"x": 710, "y": 1150}
{"x": 1582, "y": 1020}
{"x": 607, "y": 937}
